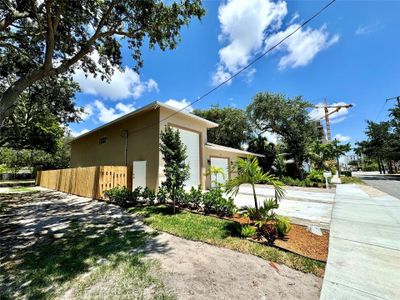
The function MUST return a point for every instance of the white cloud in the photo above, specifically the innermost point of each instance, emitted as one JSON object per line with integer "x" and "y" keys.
{"x": 220, "y": 76}
{"x": 78, "y": 133}
{"x": 179, "y": 104}
{"x": 363, "y": 30}
{"x": 125, "y": 108}
{"x": 318, "y": 113}
{"x": 243, "y": 25}
{"x": 88, "y": 112}
{"x": 295, "y": 16}
{"x": 342, "y": 138}
{"x": 249, "y": 27}
{"x": 302, "y": 47}
{"x": 108, "y": 114}
{"x": 123, "y": 83}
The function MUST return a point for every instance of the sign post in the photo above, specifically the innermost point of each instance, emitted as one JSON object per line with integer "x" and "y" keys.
{"x": 327, "y": 174}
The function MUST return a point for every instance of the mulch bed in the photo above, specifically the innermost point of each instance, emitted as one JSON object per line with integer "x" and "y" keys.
{"x": 305, "y": 243}
{"x": 299, "y": 240}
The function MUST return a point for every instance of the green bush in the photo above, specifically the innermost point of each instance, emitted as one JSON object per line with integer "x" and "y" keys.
{"x": 148, "y": 195}
{"x": 316, "y": 176}
{"x": 196, "y": 197}
{"x": 182, "y": 198}
{"x": 137, "y": 193}
{"x": 247, "y": 231}
{"x": 121, "y": 196}
{"x": 214, "y": 202}
{"x": 282, "y": 226}
{"x": 162, "y": 195}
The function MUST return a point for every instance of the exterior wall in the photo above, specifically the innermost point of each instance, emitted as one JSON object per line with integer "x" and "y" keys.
{"x": 185, "y": 122}
{"x": 220, "y": 154}
{"x": 143, "y": 144}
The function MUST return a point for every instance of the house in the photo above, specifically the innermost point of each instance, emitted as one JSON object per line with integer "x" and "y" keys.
{"x": 134, "y": 139}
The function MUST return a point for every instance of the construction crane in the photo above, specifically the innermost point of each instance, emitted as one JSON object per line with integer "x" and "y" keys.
{"x": 327, "y": 113}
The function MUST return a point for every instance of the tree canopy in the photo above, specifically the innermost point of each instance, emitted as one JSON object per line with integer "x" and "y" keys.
{"x": 233, "y": 130}
{"x": 290, "y": 119}
{"x": 41, "y": 110}
{"x": 43, "y": 39}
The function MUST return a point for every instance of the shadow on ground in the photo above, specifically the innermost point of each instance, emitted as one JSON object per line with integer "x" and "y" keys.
{"x": 49, "y": 238}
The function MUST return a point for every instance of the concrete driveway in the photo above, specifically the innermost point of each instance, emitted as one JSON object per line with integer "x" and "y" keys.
{"x": 364, "y": 246}
{"x": 303, "y": 206}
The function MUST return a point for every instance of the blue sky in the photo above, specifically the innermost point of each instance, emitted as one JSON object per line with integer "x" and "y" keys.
{"x": 349, "y": 54}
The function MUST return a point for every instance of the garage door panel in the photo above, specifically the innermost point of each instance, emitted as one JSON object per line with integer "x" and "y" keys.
{"x": 192, "y": 142}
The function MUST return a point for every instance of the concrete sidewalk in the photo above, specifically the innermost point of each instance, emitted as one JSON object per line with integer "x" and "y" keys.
{"x": 364, "y": 247}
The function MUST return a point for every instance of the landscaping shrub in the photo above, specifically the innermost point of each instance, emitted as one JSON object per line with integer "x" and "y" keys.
{"x": 247, "y": 231}
{"x": 196, "y": 197}
{"x": 267, "y": 230}
{"x": 282, "y": 226}
{"x": 149, "y": 195}
{"x": 121, "y": 196}
{"x": 182, "y": 198}
{"x": 214, "y": 202}
{"x": 137, "y": 193}
{"x": 316, "y": 176}
{"x": 162, "y": 195}
{"x": 264, "y": 213}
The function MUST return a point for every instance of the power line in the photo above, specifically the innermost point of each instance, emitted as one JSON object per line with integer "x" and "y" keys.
{"x": 242, "y": 69}
{"x": 252, "y": 62}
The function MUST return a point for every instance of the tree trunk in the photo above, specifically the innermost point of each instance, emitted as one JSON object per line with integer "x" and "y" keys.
{"x": 9, "y": 97}
{"x": 255, "y": 197}
{"x": 173, "y": 200}
{"x": 379, "y": 166}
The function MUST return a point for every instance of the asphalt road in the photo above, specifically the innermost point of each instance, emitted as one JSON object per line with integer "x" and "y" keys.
{"x": 389, "y": 184}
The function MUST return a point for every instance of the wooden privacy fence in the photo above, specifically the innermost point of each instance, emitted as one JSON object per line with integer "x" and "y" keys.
{"x": 88, "y": 182}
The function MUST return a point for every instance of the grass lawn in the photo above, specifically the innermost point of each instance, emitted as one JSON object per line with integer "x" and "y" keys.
{"x": 88, "y": 262}
{"x": 355, "y": 180}
{"x": 221, "y": 233}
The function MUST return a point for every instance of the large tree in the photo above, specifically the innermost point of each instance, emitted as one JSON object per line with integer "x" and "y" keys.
{"x": 37, "y": 119}
{"x": 261, "y": 145}
{"x": 233, "y": 130}
{"x": 42, "y": 39}
{"x": 289, "y": 118}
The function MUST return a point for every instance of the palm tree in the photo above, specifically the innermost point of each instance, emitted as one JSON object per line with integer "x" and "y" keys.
{"x": 249, "y": 172}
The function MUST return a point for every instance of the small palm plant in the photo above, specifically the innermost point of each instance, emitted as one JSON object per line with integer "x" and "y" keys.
{"x": 213, "y": 172}
{"x": 249, "y": 172}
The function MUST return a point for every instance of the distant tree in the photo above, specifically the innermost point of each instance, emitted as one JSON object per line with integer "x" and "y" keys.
{"x": 260, "y": 145}
{"x": 41, "y": 113}
{"x": 43, "y": 39}
{"x": 290, "y": 119}
{"x": 176, "y": 170}
{"x": 339, "y": 150}
{"x": 17, "y": 159}
{"x": 233, "y": 130}
{"x": 321, "y": 155}
{"x": 380, "y": 144}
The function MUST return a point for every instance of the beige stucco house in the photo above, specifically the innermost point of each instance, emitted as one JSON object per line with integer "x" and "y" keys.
{"x": 134, "y": 139}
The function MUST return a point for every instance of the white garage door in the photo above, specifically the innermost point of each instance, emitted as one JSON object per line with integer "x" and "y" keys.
{"x": 223, "y": 164}
{"x": 192, "y": 142}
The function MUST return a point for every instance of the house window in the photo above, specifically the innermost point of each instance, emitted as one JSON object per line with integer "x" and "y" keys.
{"x": 103, "y": 140}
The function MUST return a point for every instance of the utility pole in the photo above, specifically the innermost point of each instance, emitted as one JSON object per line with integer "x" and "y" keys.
{"x": 335, "y": 108}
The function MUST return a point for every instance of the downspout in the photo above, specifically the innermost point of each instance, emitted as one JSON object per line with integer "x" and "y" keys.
{"x": 125, "y": 135}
